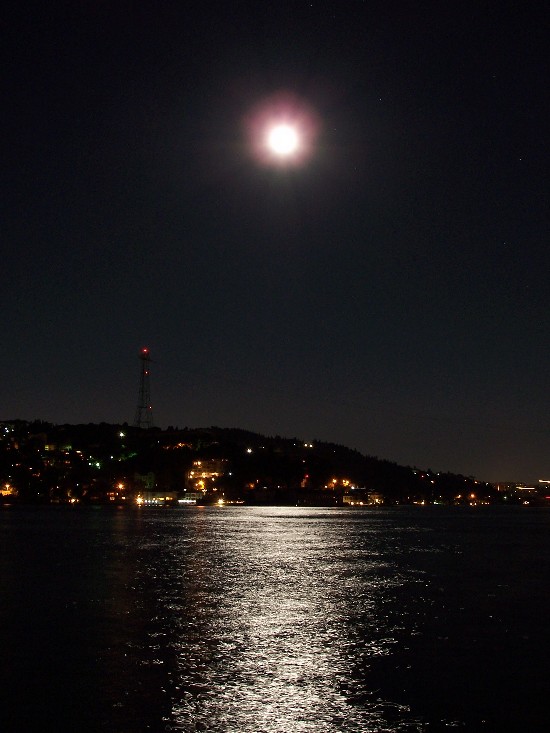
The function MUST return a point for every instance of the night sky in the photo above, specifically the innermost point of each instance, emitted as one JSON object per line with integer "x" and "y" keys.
{"x": 390, "y": 293}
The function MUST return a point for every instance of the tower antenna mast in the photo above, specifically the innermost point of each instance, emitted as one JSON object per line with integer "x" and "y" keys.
{"x": 144, "y": 410}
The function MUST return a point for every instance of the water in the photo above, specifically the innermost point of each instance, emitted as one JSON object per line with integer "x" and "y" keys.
{"x": 274, "y": 620}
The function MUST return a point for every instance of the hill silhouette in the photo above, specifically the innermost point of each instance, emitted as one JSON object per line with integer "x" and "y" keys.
{"x": 43, "y": 462}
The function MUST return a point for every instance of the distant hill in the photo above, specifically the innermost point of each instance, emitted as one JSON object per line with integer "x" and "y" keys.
{"x": 41, "y": 461}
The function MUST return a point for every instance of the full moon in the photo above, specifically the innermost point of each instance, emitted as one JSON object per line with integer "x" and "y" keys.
{"x": 283, "y": 140}
{"x": 282, "y": 130}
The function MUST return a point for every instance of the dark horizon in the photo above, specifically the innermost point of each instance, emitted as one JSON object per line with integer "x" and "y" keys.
{"x": 389, "y": 294}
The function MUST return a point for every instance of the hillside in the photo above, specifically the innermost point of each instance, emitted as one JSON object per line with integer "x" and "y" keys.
{"x": 43, "y": 462}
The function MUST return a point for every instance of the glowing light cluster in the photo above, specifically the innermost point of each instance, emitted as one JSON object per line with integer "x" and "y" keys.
{"x": 282, "y": 130}
{"x": 283, "y": 140}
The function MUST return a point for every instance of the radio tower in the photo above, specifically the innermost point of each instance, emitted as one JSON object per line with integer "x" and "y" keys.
{"x": 144, "y": 411}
